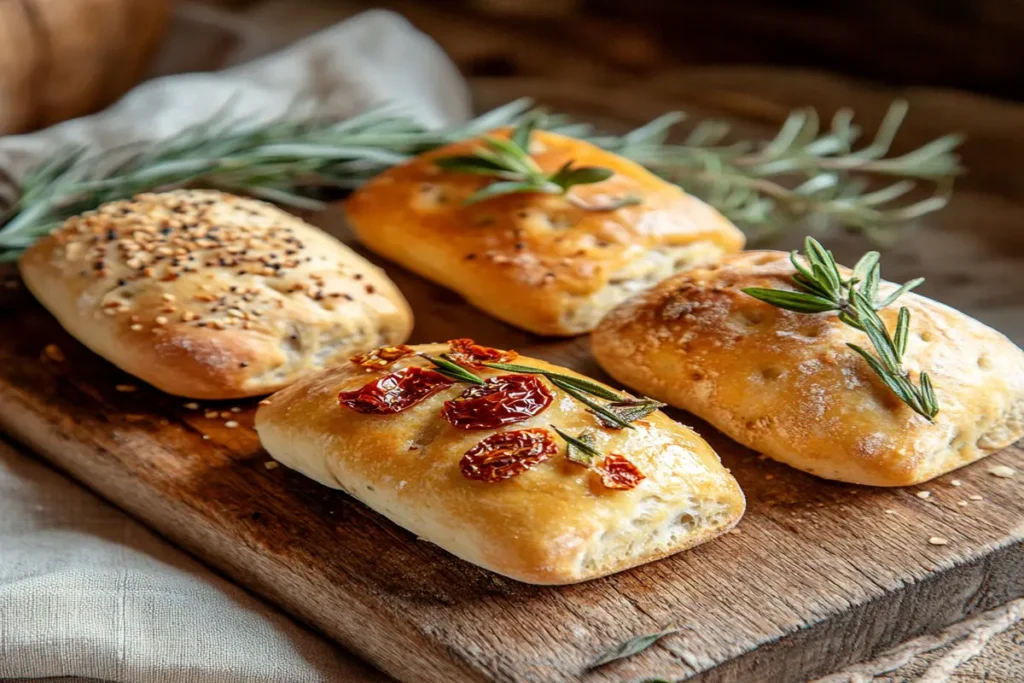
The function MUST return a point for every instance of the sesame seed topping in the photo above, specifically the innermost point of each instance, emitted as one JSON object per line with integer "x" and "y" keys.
{"x": 938, "y": 540}
{"x": 230, "y": 424}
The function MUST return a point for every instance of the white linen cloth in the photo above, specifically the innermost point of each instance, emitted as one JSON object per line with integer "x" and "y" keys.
{"x": 84, "y": 590}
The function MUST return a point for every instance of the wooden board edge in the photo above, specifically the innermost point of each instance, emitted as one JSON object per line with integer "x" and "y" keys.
{"x": 66, "y": 448}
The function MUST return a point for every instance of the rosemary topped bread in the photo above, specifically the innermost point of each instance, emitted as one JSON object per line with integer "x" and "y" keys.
{"x": 818, "y": 369}
{"x": 524, "y": 468}
{"x": 207, "y": 295}
{"x": 548, "y": 239}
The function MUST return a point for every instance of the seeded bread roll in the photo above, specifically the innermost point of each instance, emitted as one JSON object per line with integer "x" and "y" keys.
{"x": 786, "y": 384}
{"x": 539, "y": 261}
{"x": 207, "y": 295}
{"x": 529, "y": 514}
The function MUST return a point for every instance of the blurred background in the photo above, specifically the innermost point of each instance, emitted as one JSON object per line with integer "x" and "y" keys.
{"x": 60, "y": 59}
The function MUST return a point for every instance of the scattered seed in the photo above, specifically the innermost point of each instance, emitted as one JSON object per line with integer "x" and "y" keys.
{"x": 956, "y": 482}
{"x": 962, "y": 503}
{"x": 225, "y": 414}
{"x": 890, "y": 512}
{"x": 938, "y": 540}
{"x": 136, "y": 327}
{"x": 271, "y": 465}
{"x": 230, "y": 424}
{"x": 161, "y": 320}
{"x": 125, "y": 388}
{"x": 206, "y": 437}
{"x": 265, "y": 402}
{"x": 192, "y": 405}
{"x": 924, "y": 494}
{"x": 54, "y": 353}
{"x": 236, "y": 409}
{"x": 210, "y": 414}
{"x": 975, "y": 496}
{"x": 1003, "y": 472}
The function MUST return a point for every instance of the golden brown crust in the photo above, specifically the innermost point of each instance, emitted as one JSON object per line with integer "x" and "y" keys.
{"x": 207, "y": 295}
{"x": 538, "y": 261}
{"x": 555, "y": 523}
{"x": 787, "y": 385}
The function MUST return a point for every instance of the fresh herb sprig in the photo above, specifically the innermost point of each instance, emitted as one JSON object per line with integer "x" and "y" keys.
{"x": 452, "y": 370}
{"x": 856, "y": 300}
{"x": 630, "y": 647}
{"x": 300, "y": 163}
{"x": 510, "y": 162}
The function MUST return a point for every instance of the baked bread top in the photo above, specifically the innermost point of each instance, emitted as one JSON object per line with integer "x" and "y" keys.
{"x": 786, "y": 384}
{"x": 534, "y": 516}
{"x": 538, "y": 261}
{"x": 208, "y": 295}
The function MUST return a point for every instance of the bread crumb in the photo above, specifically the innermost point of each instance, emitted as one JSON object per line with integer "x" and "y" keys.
{"x": 956, "y": 482}
{"x": 230, "y": 424}
{"x": 924, "y": 494}
{"x": 125, "y": 388}
{"x": 975, "y": 496}
{"x": 54, "y": 353}
{"x": 192, "y": 405}
{"x": 1003, "y": 472}
{"x": 938, "y": 540}
{"x": 271, "y": 465}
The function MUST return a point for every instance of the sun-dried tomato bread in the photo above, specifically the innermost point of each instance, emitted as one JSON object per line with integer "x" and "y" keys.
{"x": 207, "y": 295}
{"x": 786, "y": 384}
{"x": 503, "y": 496}
{"x": 538, "y": 261}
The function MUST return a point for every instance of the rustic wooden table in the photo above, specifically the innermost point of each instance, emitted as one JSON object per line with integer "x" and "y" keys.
{"x": 972, "y": 253}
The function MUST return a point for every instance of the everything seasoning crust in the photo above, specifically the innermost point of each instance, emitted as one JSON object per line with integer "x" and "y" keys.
{"x": 494, "y": 402}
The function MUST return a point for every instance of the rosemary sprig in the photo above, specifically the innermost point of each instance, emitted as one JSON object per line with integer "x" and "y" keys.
{"x": 299, "y": 163}
{"x": 509, "y": 161}
{"x": 633, "y": 409}
{"x": 580, "y": 449}
{"x": 822, "y": 288}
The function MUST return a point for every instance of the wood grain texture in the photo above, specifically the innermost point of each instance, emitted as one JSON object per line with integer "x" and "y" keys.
{"x": 818, "y": 575}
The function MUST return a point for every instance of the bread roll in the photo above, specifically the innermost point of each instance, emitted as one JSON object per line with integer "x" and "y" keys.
{"x": 207, "y": 295}
{"x": 531, "y": 515}
{"x": 538, "y": 261}
{"x": 787, "y": 385}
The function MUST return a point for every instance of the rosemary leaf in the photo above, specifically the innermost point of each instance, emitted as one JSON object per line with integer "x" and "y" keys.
{"x": 581, "y": 383}
{"x": 594, "y": 406}
{"x": 631, "y": 647}
{"x": 792, "y": 301}
{"x": 903, "y": 289}
{"x": 452, "y": 370}
{"x": 509, "y": 187}
{"x": 632, "y": 410}
{"x": 580, "y": 449}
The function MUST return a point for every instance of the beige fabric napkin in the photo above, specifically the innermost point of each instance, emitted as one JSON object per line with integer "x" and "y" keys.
{"x": 84, "y": 590}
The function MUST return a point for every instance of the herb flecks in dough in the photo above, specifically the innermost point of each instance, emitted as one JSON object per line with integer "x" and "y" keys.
{"x": 856, "y": 300}
{"x": 515, "y": 171}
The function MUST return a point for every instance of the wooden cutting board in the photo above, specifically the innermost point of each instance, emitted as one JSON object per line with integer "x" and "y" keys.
{"x": 817, "y": 575}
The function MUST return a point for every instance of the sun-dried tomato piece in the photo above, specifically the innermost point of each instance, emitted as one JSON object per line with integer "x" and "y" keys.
{"x": 502, "y": 400}
{"x": 383, "y": 356}
{"x": 504, "y": 455}
{"x": 619, "y": 473}
{"x": 395, "y": 392}
{"x": 468, "y": 352}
